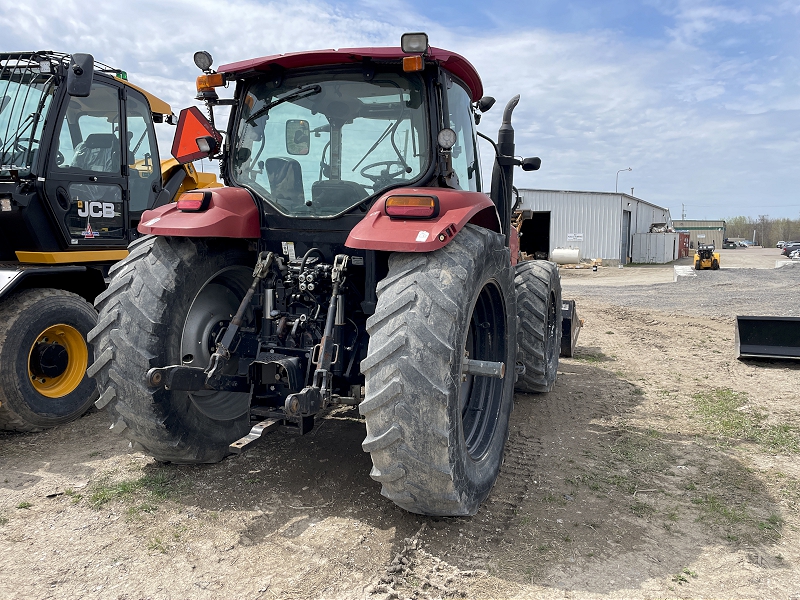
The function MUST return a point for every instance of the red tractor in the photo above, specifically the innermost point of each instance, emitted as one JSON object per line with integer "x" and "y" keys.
{"x": 352, "y": 258}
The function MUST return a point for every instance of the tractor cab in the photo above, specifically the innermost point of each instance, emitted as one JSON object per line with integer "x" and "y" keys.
{"x": 79, "y": 160}
{"x": 321, "y": 135}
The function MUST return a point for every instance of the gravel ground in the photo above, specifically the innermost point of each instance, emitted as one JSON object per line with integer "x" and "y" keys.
{"x": 723, "y": 293}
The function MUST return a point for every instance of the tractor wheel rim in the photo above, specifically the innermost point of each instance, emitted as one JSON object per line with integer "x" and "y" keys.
{"x": 65, "y": 378}
{"x": 480, "y": 398}
{"x": 210, "y": 312}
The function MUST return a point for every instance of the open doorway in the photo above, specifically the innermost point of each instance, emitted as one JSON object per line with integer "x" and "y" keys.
{"x": 534, "y": 235}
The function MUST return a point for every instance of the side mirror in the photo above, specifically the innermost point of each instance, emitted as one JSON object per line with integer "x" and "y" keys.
{"x": 485, "y": 103}
{"x": 531, "y": 164}
{"x": 298, "y": 136}
{"x": 79, "y": 75}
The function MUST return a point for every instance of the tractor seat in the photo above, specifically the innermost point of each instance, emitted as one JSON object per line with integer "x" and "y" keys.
{"x": 285, "y": 181}
{"x": 99, "y": 152}
{"x": 337, "y": 195}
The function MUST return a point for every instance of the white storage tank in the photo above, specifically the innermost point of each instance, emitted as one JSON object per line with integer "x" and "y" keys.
{"x": 566, "y": 256}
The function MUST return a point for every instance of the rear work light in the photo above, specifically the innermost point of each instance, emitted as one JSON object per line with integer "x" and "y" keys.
{"x": 412, "y": 207}
{"x": 194, "y": 201}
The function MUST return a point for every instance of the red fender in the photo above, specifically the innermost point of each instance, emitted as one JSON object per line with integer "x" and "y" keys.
{"x": 232, "y": 213}
{"x": 378, "y": 231}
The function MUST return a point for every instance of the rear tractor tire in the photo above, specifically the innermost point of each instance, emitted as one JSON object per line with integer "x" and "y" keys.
{"x": 436, "y": 436}
{"x": 166, "y": 304}
{"x": 538, "y": 287}
{"x": 43, "y": 359}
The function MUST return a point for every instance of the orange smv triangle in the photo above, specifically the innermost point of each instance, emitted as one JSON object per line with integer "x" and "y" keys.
{"x": 192, "y": 125}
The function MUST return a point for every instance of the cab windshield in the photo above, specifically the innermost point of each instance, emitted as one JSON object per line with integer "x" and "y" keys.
{"x": 25, "y": 96}
{"x": 322, "y": 143}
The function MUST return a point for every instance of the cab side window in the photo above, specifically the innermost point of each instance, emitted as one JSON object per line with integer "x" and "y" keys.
{"x": 465, "y": 154}
{"x": 142, "y": 152}
{"x": 88, "y": 138}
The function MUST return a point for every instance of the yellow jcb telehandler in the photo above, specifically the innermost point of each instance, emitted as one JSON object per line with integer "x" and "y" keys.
{"x": 78, "y": 167}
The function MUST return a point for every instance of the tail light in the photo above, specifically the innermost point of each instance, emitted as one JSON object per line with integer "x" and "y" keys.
{"x": 206, "y": 83}
{"x": 194, "y": 201}
{"x": 412, "y": 207}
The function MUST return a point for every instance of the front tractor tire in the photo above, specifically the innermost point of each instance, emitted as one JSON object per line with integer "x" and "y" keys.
{"x": 436, "y": 436}
{"x": 538, "y": 287}
{"x": 165, "y": 305}
{"x": 43, "y": 359}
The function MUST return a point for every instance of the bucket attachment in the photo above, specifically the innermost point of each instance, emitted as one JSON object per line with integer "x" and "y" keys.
{"x": 570, "y": 326}
{"x": 767, "y": 337}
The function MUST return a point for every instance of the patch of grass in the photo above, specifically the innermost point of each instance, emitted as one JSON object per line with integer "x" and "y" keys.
{"x": 156, "y": 485}
{"x": 712, "y": 507}
{"x": 73, "y": 495}
{"x": 146, "y": 508}
{"x": 595, "y": 357}
{"x": 725, "y": 413}
{"x": 24, "y": 504}
{"x": 156, "y": 545}
{"x": 642, "y": 509}
{"x": 774, "y": 522}
{"x": 3, "y": 520}
{"x": 682, "y": 578}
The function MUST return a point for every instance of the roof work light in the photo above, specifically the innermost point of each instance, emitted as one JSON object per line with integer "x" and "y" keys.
{"x": 414, "y": 43}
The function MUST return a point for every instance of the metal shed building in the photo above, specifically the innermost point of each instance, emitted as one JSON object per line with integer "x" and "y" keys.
{"x": 704, "y": 232}
{"x": 600, "y": 224}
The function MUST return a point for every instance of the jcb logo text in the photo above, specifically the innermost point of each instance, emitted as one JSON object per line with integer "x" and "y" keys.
{"x": 97, "y": 209}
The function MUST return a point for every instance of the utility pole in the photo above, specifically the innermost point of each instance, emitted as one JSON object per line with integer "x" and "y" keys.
{"x": 683, "y": 211}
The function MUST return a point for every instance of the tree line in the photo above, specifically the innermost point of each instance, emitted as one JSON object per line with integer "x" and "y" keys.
{"x": 768, "y": 231}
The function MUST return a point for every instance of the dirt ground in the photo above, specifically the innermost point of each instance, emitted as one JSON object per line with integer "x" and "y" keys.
{"x": 659, "y": 466}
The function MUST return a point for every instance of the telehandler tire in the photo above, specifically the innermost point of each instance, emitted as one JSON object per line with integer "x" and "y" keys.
{"x": 165, "y": 305}
{"x": 437, "y": 437}
{"x": 538, "y": 287}
{"x": 43, "y": 359}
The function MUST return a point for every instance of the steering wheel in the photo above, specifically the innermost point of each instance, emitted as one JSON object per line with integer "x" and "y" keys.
{"x": 386, "y": 175}
{"x": 18, "y": 147}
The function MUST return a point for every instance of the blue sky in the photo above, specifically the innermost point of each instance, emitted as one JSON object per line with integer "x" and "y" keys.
{"x": 701, "y": 98}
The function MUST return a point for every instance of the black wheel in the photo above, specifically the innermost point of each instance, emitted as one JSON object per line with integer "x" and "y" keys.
{"x": 697, "y": 266}
{"x": 715, "y": 264}
{"x": 436, "y": 436}
{"x": 166, "y": 304}
{"x": 43, "y": 359}
{"x": 538, "y": 287}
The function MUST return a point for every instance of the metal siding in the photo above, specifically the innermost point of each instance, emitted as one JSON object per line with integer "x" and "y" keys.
{"x": 598, "y": 215}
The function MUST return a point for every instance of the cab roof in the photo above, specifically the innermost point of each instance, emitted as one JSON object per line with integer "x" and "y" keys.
{"x": 454, "y": 63}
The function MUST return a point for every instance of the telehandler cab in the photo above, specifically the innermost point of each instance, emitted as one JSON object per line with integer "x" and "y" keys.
{"x": 353, "y": 258}
{"x": 78, "y": 166}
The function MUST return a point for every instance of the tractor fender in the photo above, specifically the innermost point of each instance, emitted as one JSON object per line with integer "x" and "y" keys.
{"x": 231, "y": 213}
{"x": 378, "y": 231}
